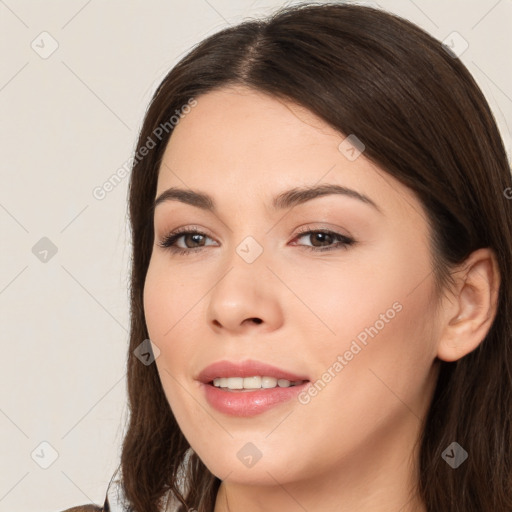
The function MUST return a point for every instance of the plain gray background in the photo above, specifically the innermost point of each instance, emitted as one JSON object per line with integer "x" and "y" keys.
{"x": 75, "y": 80}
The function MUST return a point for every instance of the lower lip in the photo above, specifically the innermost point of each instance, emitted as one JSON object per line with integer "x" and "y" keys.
{"x": 249, "y": 403}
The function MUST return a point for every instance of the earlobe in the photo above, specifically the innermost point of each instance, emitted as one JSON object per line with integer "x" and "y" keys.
{"x": 470, "y": 315}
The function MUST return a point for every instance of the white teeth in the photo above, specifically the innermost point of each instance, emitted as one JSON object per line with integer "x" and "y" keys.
{"x": 268, "y": 382}
{"x": 255, "y": 382}
{"x": 252, "y": 382}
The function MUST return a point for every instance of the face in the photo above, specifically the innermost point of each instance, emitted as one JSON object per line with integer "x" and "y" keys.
{"x": 332, "y": 288}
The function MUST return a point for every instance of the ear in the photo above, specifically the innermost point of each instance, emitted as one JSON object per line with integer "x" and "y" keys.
{"x": 469, "y": 316}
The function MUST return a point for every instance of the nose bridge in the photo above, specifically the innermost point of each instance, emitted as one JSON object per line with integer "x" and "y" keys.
{"x": 246, "y": 289}
{"x": 246, "y": 265}
{"x": 247, "y": 238}
{"x": 250, "y": 249}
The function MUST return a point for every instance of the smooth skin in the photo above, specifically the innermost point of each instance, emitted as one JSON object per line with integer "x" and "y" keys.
{"x": 353, "y": 446}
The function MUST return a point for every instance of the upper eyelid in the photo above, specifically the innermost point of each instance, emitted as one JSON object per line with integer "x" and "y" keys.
{"x": 303, "y": 229}
{"x": 201, "y": 231}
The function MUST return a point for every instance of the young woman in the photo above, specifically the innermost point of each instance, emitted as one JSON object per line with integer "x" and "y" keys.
{"x": 321, "y": 219}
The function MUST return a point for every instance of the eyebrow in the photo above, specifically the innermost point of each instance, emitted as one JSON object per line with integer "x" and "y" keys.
{"x": 287, "y": 199}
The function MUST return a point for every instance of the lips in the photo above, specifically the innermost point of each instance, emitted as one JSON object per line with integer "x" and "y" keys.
{"x": 248, "y": 368}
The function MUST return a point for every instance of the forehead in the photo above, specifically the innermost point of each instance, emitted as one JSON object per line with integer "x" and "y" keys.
{"x": 237, "y": 140}
{"x": 234, "y": 121}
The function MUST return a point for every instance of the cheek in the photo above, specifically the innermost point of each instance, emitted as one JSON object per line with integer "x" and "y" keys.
{"x": 374, "y": 375}
{"x": 392, "y": 367}
{"x": 341, "y": 298}
{"x": 155, "y": 297}
{"x": 375, "y": 308}
{"x": 171, "y": 303}
{"x": 167, "y": 298}
{"x": 166, "y": 303}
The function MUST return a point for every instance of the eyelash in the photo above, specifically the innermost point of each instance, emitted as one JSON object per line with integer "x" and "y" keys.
{"x": 169, "y": 240}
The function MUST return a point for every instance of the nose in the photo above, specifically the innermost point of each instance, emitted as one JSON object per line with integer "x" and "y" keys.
{"x": 248, "y": 296}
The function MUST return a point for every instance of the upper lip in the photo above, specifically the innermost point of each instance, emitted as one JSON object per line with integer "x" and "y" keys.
{"x": 248, "y": 368}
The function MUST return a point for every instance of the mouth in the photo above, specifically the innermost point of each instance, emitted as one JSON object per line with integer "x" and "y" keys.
{"x": 249, "y": 387}
{"x": 253, "y": 383}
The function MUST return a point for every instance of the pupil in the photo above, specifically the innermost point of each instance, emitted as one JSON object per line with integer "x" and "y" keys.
{"x": 195, "y": 237}
{"x": 320, "y": 235}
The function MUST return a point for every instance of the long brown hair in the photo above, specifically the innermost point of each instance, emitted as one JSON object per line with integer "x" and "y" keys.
{"x": 424, "y": 120}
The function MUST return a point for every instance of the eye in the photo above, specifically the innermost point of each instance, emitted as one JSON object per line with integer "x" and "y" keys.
{"x": 322, "y": 240}
{"x": 190, "y": 236}
{"x": 195, "y": 240}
